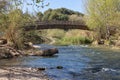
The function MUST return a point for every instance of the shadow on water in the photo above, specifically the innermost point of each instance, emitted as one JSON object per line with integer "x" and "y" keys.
{"x": 77, "y": 62}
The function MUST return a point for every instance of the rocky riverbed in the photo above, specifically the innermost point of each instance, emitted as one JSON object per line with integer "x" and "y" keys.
{"x": 22, "y": 73}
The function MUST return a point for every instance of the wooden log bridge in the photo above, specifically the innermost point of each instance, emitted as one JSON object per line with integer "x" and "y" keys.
{"x": 66, "y": 25}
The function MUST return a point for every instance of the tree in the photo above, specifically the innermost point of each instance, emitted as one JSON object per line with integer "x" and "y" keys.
{"x": 47, "y": 14}
{"x": 39, "y": 16}
{"x": 59, "y": 14}
{"x": 12, "y": 20}
{"x": 14, "y": 32}
{"x": 76, "y": 18}
{"x": 3, "y": 16}
{"x": 102, "y": 14}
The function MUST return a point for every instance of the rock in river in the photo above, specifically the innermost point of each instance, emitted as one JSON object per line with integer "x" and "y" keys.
{"x": 46, "y": 52}
{"x": 40, "y": 69}
{"x": 59, "y": 67}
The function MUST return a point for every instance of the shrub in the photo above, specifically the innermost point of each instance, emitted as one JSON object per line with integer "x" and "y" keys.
{"x": 75, "y": 40}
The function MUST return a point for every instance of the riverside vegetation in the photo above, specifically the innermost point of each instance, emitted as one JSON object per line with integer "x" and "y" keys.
{"x": 104, "y": 29}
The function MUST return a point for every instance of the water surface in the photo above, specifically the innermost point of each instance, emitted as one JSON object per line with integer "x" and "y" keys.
{"x": 78, "y": 62}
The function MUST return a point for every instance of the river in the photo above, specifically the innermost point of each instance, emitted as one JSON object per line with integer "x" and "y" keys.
{"x": 78, "y": 62}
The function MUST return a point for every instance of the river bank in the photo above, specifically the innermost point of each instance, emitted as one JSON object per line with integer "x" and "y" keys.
{"x": 19, "y": 73}
{"x": 78, "y": 37}
{"x": 108, "y": 47}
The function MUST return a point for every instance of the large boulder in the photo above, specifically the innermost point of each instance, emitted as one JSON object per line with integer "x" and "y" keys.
{"x": 46, "y": 52}
{"x": 49, "y": 52}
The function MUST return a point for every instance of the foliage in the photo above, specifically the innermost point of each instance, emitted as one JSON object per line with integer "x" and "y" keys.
{"x": 102, "y": 15}
{"x": 13, "y": 33}
{"x": 55, "y": 33}
{"x": 62, "y": 37}
{"x": 67, "y": 11}
{"x": 75, "y": 40}
{"x": 3, "y": 5}
{"x": 47, "y": 14}
{"x": 12, "y": 21}
{"x": 39, "y": 16}
{"x": 76, "y": 18}
{"x": 33, "y": 36}
{"x": 59, "y": 14}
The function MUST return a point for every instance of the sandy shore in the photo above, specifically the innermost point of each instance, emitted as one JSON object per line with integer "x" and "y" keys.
{"x": 18, "y": 73}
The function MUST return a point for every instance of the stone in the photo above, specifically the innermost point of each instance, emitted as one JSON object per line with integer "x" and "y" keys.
{"x": 59, "y": 67}
{"x": 94, "y": 69}
{"x": 101, "y": 42}
{"x": 8, "y": 52}
{"x": 22, "y": 73}
{"x": 3, "y": 41}
{"x": 4, "y": 54}
{"x": 40, "y": 69}
{"x": 95, "y": 42}
{"x": 49, "y": 52}
{"x": 117, "y": 43}
{"x": 46, "y": 52}
{"x": 28, "y": 45}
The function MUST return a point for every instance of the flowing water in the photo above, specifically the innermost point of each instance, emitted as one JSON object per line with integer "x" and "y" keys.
{"x": 78, "y": 62}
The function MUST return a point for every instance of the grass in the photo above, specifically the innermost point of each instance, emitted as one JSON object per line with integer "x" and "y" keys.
{"x": 74, "y": 40}
{"x": 70, "y": 37}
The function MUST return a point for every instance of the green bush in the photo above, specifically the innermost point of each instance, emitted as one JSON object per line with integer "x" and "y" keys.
{"x": 74, "y": 40}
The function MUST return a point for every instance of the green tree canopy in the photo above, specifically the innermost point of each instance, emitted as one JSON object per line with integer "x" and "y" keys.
{"x": 59, "y": 14}
{"x": 103, "y": 14}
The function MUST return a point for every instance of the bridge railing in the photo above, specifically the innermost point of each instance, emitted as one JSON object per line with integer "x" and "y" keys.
{"x": 56, "y": 23}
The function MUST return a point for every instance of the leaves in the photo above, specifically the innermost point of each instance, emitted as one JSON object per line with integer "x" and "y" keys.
{"x": 102, "y": 14}
{"x": 38, "y": 1}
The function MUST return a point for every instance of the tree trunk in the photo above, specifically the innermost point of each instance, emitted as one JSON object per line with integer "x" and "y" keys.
{"x": 107, "y": 33}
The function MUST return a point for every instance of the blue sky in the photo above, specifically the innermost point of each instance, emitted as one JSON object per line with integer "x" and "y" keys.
{"x": 76, "y": 5}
